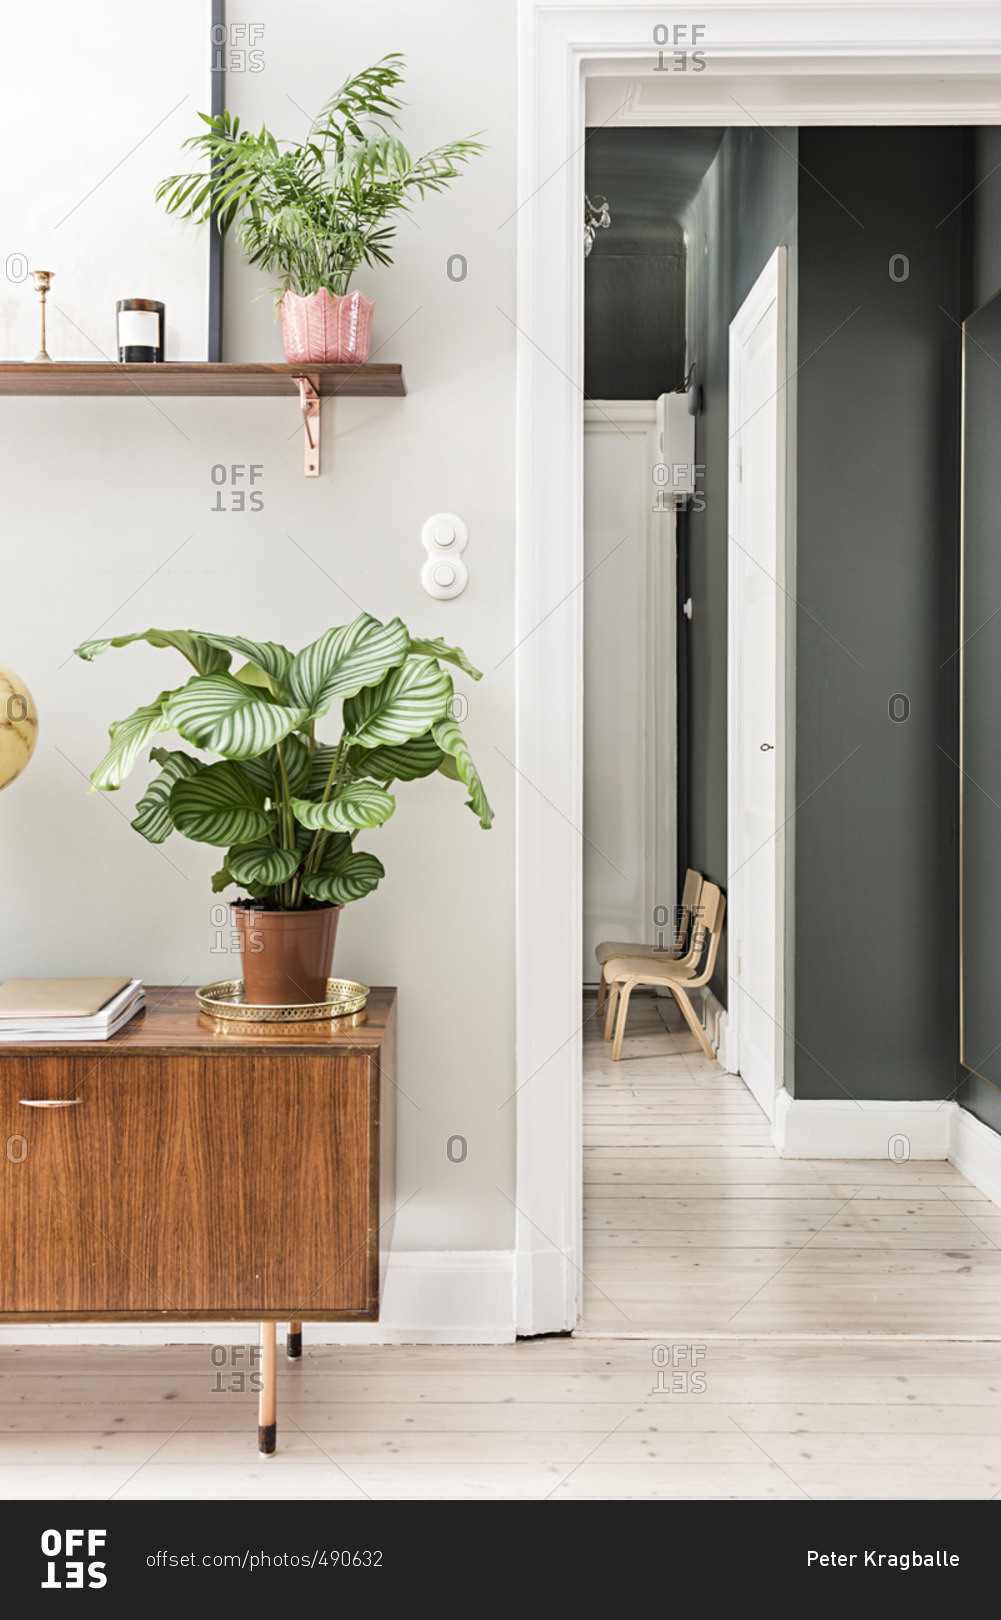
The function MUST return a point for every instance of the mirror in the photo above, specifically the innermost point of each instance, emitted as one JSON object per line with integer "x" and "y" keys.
{"x": 97, "y": 102}
{"x": 980, "y": 698}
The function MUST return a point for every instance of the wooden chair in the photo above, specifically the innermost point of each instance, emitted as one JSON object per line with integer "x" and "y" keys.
{"x": 679, "y": 949}
{"x": 623, "y": 973}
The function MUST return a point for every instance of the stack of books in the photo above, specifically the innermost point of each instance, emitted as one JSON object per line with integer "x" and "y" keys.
{"x": 67, "y": 1009}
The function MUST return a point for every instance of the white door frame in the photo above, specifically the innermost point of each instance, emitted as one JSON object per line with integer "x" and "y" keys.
{"x": 926, "y": 63}
{"x": 770, "y": 288}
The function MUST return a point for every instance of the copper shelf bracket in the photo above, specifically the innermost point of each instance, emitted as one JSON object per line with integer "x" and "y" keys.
{"x": 309, "y": 404}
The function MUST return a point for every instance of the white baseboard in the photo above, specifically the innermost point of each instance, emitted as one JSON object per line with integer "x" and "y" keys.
{"x": 463, "y": 1297}
{"x": 717, "y": 1027}
{"x": 828, "y": 1128}
{"x": 976, "y": 1153}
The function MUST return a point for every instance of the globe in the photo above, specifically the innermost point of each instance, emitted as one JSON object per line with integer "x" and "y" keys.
{"x": 18, "y": 726}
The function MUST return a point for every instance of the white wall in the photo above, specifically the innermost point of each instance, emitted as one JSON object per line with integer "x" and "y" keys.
{"x": 109, "y": 526}
{"x": 630, "y": 765}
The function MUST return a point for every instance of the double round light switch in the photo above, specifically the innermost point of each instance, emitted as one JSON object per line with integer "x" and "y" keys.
{"x": 444, "y": 538}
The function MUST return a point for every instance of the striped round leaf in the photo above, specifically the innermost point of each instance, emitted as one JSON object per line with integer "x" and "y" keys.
{"x": 403, "y": 761}
{"x": 361, "y": 804}
{"x": 354, "y": 877}
{"x": 324, "y": 756}
{"x": 221, "y": 713}
{"x": 129, "y": 737}
{"x": 254, "y": 864}
{"x": 264, "y": 769}
{"x": 153, "y": 817}
{"x": 206, "y": 658}
{"x": 448, "y": 734}
{"x": 423, "y": 647}
{"x": 334, "y": 848}
{"x": 303, "y": 837}
{"x": 269, "y": 656}
{"x": 344, "y": 660}
{"x": 220, "y": 805}
{"x": 401, "y": 707}
{"x": 298, "y": 765}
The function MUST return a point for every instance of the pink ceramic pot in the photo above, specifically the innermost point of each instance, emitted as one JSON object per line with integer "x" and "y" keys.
{"x": 322, "y": 327}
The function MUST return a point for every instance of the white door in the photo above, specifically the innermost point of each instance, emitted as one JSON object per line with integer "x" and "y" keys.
{"x": 756, "y": 564}
{"x": 630, "y": 769}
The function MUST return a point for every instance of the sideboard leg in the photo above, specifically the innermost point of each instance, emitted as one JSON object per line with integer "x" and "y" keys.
{"x": 266, "y": 1424}
{"x": 293, "y": 1341}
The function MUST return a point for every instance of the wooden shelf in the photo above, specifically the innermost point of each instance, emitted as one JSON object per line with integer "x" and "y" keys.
{"x": 204, "y": 379}
{"x": 184, "y": 377}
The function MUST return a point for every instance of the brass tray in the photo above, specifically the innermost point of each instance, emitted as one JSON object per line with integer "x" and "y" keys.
{"x": 224, "y": 999}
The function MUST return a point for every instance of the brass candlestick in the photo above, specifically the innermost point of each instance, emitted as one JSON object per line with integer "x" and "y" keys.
{"x": 43, "y": 281}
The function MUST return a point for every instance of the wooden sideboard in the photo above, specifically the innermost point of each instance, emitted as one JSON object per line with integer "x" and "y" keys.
{"x": 190, "y": 1170}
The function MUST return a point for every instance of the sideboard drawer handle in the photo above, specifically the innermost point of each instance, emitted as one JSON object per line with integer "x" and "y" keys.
{"x": 51, "y": 1102}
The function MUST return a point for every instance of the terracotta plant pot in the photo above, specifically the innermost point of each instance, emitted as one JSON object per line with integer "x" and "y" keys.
{"x": 322, "y": 327}
{"x": 287, "y": 955}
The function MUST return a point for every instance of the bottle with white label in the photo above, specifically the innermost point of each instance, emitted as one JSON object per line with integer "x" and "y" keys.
{"x": 141, "y": 326}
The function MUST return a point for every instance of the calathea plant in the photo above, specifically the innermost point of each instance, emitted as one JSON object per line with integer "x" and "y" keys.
{"x": 284, "y": 804}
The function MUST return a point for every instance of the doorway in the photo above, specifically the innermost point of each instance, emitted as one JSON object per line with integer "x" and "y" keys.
{"x": 665, "y": 1225}
{"x": 816, "y": 80}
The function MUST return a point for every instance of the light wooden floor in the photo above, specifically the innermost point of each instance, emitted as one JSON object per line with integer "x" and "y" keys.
{"x": 705, "y": 1241}
{"x": 559, "y": 1418}
{"x": 693, "y": 1224}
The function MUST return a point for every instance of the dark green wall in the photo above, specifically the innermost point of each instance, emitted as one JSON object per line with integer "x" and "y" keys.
{"x": 877, "y": 575}
{"x": 634, "y": 278}
{"x": 744, "y": 209}
{"x": 635, "y": 312}
{"x": 982, "y": 214}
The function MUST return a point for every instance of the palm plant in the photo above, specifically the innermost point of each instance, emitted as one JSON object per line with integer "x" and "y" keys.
{"x": 286, "y": 806}
{"x": 311, "y": 212}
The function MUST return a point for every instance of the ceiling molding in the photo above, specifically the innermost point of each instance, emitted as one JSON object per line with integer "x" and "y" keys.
{"x": 630, "y": 103}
